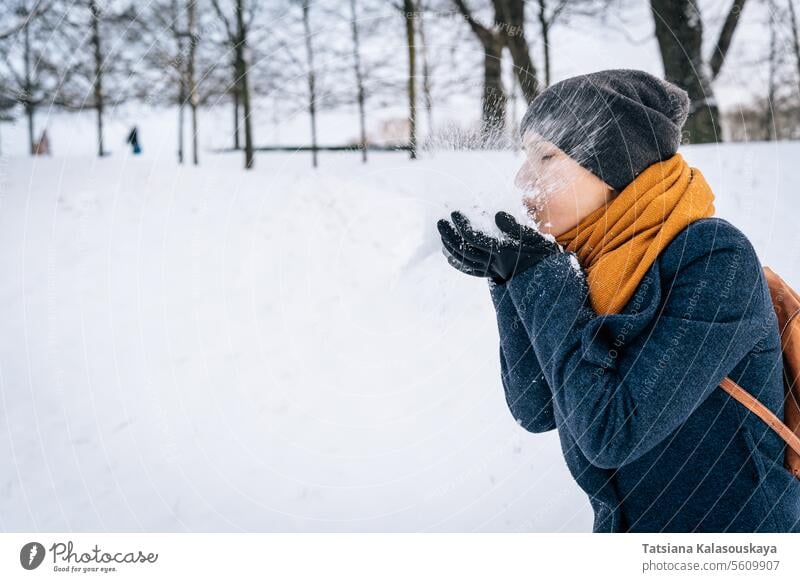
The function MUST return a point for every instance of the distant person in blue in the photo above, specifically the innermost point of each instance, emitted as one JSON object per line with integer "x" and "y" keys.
{"x": 621, "y": 313}
{"x": 133, "y": 140}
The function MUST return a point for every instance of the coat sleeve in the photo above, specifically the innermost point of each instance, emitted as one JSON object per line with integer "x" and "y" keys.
{"x": 527, "y": 394}
{"x": 624, "y": 382}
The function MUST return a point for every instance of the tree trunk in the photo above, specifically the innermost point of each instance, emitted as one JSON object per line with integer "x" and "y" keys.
{"x": 494, "y": 96}
{"x": 544, "y": 27}
{"x": 493, "y": 101}
{"x": 181, "y": 85}
{"x": 241, "y": 65}
{"x": 362, "y": 123}
{"x": 29, "y": 113}
{"x": 512, "y": 96}
{"x": 191, "y": 9}
{"x": 312, "y": 96}
{"x": 769, "y": 117}
{"x": 795, "y": 39}
{"x": 181, "y": 109}
{"x": 426, "y": 78}
{"x": 725, "y": 37}
{"x": 408, "y": 15}
{"x": 514, "y": 33}
{"x": 679, "y": 32}
{"x": 28, "y": 98}
{"x": 98, "y": 74}
{"x": 236, "y": 144}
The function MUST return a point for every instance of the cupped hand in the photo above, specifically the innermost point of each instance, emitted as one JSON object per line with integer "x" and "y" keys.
{"x": 480, "y": 254}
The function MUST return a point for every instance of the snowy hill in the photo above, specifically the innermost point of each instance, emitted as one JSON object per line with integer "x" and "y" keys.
{"x": 282, "y": 350}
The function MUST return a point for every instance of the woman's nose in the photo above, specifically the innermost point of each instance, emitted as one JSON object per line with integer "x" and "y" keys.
{"x": 523, "y": 180}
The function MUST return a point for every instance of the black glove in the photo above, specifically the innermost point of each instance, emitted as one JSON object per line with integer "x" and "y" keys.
{"x": 524, "y": 248}
{"x": 530, "y": 246}
{"x": 463, "y": 256}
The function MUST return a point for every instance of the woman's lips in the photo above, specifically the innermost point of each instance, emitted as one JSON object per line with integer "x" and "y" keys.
{"x": 536, "y": 212}
{"x": 533, "y": 204}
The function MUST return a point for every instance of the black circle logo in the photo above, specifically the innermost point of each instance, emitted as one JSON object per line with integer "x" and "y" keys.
{"x": 31, "y": 555}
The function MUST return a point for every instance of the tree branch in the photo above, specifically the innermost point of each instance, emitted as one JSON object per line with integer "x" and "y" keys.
{"x": 224, "y": 19}
{"x": 39, "y": 8}
{"x": 725, "y": 38}
{"x": 483, "y": 33}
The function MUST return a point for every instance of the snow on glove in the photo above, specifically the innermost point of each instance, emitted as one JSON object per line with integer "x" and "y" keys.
{"x": 524, "y": 248}
{"x": 463, "y": 256}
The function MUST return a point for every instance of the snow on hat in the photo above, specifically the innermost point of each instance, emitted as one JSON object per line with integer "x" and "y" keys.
{"x": 615, "y": 123}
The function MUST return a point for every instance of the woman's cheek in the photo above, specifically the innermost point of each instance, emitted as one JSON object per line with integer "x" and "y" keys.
{"x": 560, "y": 210}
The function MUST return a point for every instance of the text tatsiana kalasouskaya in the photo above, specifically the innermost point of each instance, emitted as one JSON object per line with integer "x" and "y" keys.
{"x": 709, "y": 549}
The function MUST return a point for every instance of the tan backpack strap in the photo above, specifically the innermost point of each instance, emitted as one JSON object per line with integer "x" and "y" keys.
{"x": 762, "y": 411}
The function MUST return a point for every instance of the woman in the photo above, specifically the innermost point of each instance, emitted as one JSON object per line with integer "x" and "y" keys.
{"x": 619, "y": 331}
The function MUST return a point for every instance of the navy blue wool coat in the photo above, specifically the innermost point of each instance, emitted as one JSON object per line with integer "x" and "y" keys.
{"x": 644, "y": 427}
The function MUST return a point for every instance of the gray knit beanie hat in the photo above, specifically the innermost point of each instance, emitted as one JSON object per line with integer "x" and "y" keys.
{"x": 615, "y": 123}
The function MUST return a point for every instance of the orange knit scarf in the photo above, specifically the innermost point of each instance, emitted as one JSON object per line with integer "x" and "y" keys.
{"x": 617, "y": 243}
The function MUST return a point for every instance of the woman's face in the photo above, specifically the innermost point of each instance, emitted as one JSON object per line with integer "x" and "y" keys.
{"x": 560, "y": 192}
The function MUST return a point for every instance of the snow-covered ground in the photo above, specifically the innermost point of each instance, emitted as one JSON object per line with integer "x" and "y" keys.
{"x": 281, "y": 350}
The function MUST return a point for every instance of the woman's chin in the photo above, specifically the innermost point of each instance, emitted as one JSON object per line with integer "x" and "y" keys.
{"x": 542, "y": 225}
{"x": 546, "y": 227}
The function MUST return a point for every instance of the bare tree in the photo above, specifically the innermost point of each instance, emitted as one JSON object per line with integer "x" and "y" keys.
{"x": 426, "y": 73}
{"x": 103, "y": 65}
{"x": 370, "y": 59}
{"x": 181, "y": 74}
{"x": 362, "y": 122}
{"x": 409, "y": 14}
{"x": 444, "y": 71}
{"x": 773, "y": 63}
{"x": 679, "y": 32}
{"x": 22, "y": 14}
{"x": 549, "y": 13}
{"x": 507, "y": 30}
{"x": 97, "y": 53}
{"x": 553, "y": 12}
{"x": 29, "y": 70}
{"x": 308, "y": 63}
{"x": 172, "y": 39}
{"x": 795, "y": 38}
{"x": 191, "y": 81}
{"x": 312, "y": 95}
{"x": 237, "y": 28}
{"x": 512, "y": 26}
{"x": 492, "y": 40}
{"x": 237, "y": 117}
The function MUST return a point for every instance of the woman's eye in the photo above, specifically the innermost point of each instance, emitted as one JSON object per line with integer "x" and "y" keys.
{"x": 548, "y": 157}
